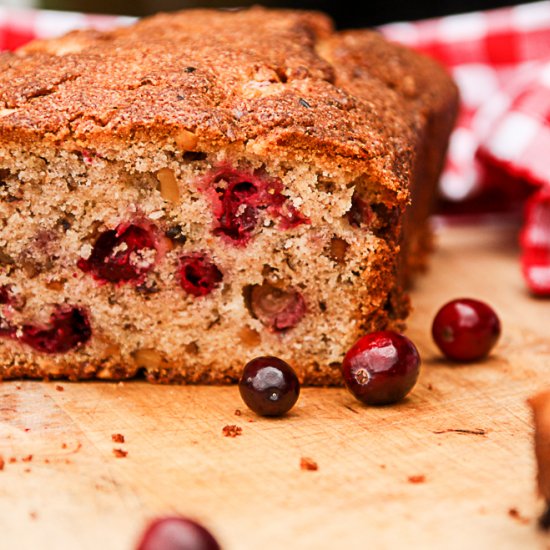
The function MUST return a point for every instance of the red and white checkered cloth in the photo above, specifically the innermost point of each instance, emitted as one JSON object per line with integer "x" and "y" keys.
{"x": 19, "y": 26}
{"x": 500, "y": 151}
{"x": 499, "y": 154}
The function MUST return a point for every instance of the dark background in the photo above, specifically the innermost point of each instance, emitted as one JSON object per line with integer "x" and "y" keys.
{"x": 347, "y": 13}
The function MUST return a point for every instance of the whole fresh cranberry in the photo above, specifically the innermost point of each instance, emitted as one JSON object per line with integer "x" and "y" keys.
{"x": 176, "y": 533}
{"x": 466, "y": 329}
{"x": 198, "y": 275}
{"x": 269, "y": 386}
{"x": 121, "y": 255}
{"x": 381, "y": 367}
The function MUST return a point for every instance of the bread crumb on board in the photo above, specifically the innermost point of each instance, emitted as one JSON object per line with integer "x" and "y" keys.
{"x": 308, "y": 464}
{"x": 120, "y": 453}
{"x": 417, "y": 479}
{"x": 231, "y": 430}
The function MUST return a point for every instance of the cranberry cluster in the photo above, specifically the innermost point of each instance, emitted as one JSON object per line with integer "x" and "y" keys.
{"x": 240, "y": 198}
{"x": 129, "y": 252}
{"x": 382, "y": 367}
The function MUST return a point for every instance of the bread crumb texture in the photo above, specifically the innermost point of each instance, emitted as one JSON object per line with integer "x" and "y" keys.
{"x": 200, "y": 188}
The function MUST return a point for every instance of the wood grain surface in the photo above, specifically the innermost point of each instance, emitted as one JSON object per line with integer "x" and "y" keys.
{"x": 466, "y": 429}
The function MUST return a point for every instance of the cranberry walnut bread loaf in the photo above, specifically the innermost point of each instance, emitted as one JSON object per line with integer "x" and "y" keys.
{"x": 204, "y": 187}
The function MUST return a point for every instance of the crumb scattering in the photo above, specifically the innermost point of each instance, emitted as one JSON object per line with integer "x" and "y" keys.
{"x": 231, "y": 430}
{"x": 417, "y": 479}
{"x": 120, "y": 453}
{"x": 238, "y": 412}
{"x": 308, "y": 464}
{"x": 27, "y": 458}
{"x": 59, "y": 388}
{"x": 117, "y": 438}
{"x": 514, "y": 513}
{"x": 2, "y": 463}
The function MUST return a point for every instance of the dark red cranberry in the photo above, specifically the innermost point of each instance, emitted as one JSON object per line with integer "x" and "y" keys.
{"x": 6, "y": 294}
{"x": 176, "y": 533}
{"x": 121, "y": 255}
{"x": 466, "y": 329}
{"x": 239, "y": 204}
{"x": 68, "y": 328}
{"x": 198, "y": 275}
{"x": 381, "y": 367}
{"x": 239, "y": 211}
{"x": 269, "y": 386}
{"x": 276, "y": 308}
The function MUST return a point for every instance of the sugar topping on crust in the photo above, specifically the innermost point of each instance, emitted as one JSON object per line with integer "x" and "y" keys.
{"x": 256, "y": 80}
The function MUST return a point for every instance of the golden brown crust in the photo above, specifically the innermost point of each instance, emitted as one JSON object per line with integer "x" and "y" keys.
{"x": 252, "y": 78}
{"x": 367, "y": 61}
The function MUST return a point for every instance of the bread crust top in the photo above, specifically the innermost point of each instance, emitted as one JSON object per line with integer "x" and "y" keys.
{"x": 271, "y": 82}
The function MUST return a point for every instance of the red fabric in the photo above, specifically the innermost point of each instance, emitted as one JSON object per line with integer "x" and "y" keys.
{"x": 19, "y": 26}
{"x": 499, "y": 153}
{"x": 535, "y": 242}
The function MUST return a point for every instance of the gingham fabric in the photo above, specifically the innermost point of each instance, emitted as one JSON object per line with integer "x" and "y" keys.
{"x": 17, "y": 27}
{"x": 500, "y": 149}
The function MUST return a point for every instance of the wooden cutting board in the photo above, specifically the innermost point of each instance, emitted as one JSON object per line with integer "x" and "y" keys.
{"x": 465, "y": 429}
